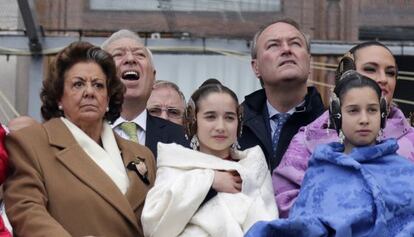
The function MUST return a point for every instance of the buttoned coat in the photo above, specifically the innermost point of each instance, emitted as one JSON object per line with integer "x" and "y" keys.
{"x": 55, "y": 189}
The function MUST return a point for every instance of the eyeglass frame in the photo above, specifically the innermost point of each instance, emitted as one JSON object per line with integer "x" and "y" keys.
{"x": 167, "y": 111}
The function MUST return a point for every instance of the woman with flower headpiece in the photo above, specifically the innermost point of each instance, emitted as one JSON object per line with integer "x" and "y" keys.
{"x": 214, "y": 189}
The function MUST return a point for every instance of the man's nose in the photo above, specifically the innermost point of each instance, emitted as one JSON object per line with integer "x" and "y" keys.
{"x": 285, "y": 47}
{"x": 164, "y": 114}
{"x": 130, "y": 58}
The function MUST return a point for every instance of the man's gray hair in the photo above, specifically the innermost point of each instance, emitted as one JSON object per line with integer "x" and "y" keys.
{"x": 169, "y": 84}
{"x": 253, "y": 48}
{"x": 125, "y": 33}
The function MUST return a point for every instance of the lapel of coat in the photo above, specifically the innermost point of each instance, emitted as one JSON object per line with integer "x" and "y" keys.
{"x": 137, "y": 190}
{"x": 154, "y": 134}
{"x": 257, "y": 119}
{"x": 259, "y": 124}
{"x": 73, "y": 157}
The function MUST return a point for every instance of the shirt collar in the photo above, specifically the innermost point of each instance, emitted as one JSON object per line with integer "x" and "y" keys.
{"x": 273, "y": 111}
{"x": 141, "y": 120}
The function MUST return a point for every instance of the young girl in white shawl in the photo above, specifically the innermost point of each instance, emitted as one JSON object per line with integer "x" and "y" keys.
{"x": 214, "y": 189}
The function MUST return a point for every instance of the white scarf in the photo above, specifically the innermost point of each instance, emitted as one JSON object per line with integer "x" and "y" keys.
{"x": 107, "y": 158}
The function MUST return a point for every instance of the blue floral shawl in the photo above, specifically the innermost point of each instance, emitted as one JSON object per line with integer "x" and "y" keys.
{"x": 369, "y": 192}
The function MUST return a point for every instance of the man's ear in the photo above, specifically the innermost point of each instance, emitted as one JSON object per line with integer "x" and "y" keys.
{"x": 255, "y": 67}
{"x": 154, "y": 78}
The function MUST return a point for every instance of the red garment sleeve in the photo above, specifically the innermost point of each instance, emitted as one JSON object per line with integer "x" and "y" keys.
{"x": 3, "y": 156}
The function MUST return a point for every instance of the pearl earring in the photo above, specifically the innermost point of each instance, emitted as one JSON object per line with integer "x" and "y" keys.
{"x": 60, "y": 107}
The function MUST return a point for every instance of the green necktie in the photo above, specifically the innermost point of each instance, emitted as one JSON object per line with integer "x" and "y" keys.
{"x": 130, "y": 128}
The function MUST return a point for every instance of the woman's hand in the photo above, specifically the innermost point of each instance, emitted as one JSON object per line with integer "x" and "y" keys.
{"x": 227, "y": 181}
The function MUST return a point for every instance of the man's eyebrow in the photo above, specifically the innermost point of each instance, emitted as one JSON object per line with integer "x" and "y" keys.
{"x": 296, "y": 37}
{"x": 132, "y": 49}
{"x": 287, "y": 38}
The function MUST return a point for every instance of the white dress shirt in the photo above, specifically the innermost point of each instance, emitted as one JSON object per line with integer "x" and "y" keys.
{"x": 140, "y": 120}
{"x": 273, "y": 111}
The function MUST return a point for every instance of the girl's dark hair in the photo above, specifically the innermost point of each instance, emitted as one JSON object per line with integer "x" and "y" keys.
{"x": 209, "y": 86}
{"x": 352, "y": 79}
{"x": 78, "y": 52}
{"x": 347, "y": 62}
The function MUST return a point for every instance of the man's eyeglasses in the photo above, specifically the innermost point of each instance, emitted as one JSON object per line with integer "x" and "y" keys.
{"x": 171, "y": 112}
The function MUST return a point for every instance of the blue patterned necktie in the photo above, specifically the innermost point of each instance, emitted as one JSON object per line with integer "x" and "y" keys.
{"x": 279, "y": 119}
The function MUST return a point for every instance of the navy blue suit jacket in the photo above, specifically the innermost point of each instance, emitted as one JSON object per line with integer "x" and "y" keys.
{"x": 161, "y": 130}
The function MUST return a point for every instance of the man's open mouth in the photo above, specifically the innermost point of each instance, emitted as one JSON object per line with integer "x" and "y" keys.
{"x": 287, "y": 62}
{"x": 130, "y": 75}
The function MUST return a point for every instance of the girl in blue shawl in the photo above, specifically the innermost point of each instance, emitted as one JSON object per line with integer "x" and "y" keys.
{"x": 359, "y": 187}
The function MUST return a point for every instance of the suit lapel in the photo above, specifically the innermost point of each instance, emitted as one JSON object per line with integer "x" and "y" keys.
{"x": 257, "y": 119}
{"x": 154, "y": 134}
{"x": 137, "y": 188}
{"x": 267, "y": 138}
{"x": 73, "y": 157}
{"x": 260, "y": 126}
